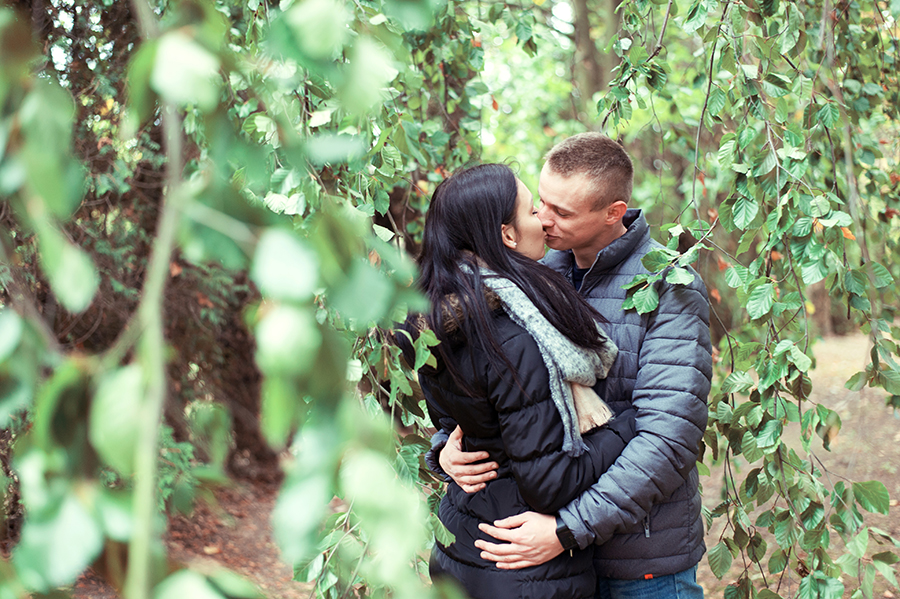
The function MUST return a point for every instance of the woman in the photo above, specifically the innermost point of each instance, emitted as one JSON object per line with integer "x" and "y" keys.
{"x": 513, "y": 337}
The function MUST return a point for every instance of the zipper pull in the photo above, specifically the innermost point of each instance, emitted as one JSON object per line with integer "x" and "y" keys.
{"x": 647, "y": 526}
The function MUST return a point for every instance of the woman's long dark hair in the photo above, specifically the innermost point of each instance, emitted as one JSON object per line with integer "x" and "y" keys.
{"x": 463, "y": 223}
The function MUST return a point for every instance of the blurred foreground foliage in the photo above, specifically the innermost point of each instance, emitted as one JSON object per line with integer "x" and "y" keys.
{"x": 207, "y": 215}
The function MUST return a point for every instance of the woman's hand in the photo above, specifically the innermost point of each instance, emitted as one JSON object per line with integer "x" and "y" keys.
{"x": 458, "y": 464}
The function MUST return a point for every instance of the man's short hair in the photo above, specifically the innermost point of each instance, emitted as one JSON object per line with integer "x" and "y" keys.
{"x": 603, "y": 161}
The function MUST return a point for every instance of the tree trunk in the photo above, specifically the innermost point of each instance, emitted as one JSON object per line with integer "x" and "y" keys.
{"x": 589, "y": 63}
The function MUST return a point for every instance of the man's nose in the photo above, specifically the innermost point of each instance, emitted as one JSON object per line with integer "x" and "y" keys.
{"x": 544, "y": 216}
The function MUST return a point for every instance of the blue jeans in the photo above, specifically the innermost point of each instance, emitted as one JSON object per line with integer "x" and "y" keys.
{"x": 682, "y": 585}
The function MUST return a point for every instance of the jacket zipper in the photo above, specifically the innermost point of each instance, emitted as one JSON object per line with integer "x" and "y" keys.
{"x": 647, "y": 526}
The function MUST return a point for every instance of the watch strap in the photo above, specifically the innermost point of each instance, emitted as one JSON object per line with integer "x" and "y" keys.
{"x": 565, "y": 535}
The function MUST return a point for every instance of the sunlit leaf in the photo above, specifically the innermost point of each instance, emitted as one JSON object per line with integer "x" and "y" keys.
{"x": 330, "y": 149}
{"x": 284, "y": 267}
{"x": 371, "y": 69}
{"x": 303, "y": 501}
{"x": 680, "y": 276}
{"x": 116, "y": 416}
{"x": 365, "y": 296}
{"x": 319, "y": 27}
{"x": 72, "y": 274}
{"x": 10, "y": 332}
{"x": 184, "y": 72}
{"x": 57, "y": 546}
{"x": 233, "y": 586}
{"x": 287, "y": 340}
{"x": 186, "y": 583}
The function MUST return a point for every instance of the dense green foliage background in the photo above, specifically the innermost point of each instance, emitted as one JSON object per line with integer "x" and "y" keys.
{"x": 208, "y": 211}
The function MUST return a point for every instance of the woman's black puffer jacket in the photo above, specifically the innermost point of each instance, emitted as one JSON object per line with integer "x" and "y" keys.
{"x": 518, "y": 424}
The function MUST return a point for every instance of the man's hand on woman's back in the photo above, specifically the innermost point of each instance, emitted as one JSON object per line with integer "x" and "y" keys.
{"x": 461, "y": 465}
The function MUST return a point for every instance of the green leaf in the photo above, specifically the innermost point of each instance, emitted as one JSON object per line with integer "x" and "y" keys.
{"x": 716, "y": 103}
{"x": 776, "y": 85}
{"x": 738, "y": 381}
{"x": 186, "y": 583}
{"x": 696, "y": 16}
{"x": 524, "y": 31}
{"x": 10, "y": 332}
{"x": 441, "y": 534}
{"x": 857, "y": 381}
{"x": 777, "y": 562}
{"x": 800, "y": 359}
{"x": 234, "y": 586}
{"x": 813, "y": 271}
{"x": 332, "y": 149}
{"x": 856, "y": 281}
{"x": 318, "y": 28}
{"x": 657, "y": 260}
{"x": 792, "y": 34}
{"x": 302, "y": 504}
{"x": 646, "y": 299}
{"x": 116, "y": 416}
{"x": 720, "y": 559}
{"x": 407, "y": 463}
{"x": 887, "y": 571}
{"x": 185, "y": 72}
{"x": 744, "y": 211}
{"x": 371, "y": 70}
{"x": 52, "y": 174}
{"x": 872, "y": 496}
{"x": 765, "y": 166}
{"x": 59, "y": 545}
{"x": 383, "y": 233}
{"x": 680, "y": 276}
{"x": 770, "y": 434}
{"x": 883, "y": 276}
{"x": 412, "y": 16}
{"x": 365, "y": 296}
{"x": 737, "y": 276}
{"x": 829, "y": 114}
{"x": 726, "y": 152}
{"x": 761, "y": 300}
{"x": 858, "y": 544}
{"x": 287, "y": 340}
{"x": 750, "y": 448}
{"x": 284, "y": 267}
{"x": 70, "y": 270}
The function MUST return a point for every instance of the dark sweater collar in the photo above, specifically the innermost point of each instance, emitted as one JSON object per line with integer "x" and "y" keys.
{"x": 637, "y": 231}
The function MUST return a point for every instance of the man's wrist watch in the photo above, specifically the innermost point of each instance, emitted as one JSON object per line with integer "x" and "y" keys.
{"x": 565, "y": 536}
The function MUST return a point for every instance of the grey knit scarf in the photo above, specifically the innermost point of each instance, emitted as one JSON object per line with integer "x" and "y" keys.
{"x": 566, "y": 362}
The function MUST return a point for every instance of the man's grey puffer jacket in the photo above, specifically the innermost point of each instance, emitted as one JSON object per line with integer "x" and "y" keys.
{"x": 644, "y": 512}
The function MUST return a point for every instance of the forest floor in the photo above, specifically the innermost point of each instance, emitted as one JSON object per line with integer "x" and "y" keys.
{"x": 236, "y": 534}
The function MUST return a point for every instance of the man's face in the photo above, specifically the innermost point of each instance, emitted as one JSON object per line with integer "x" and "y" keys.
{"x": 566, "y": 215}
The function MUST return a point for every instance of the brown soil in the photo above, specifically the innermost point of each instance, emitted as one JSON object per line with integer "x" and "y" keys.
{"x": 236, "y": 533}
{"x": 233, "y": 532}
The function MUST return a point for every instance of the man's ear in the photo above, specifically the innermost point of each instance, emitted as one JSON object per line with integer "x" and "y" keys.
{"x": 615, "y": 212}
{"x": 508, "y": 235}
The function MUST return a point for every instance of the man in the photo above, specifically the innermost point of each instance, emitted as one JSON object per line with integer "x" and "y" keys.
{"x": 643, "y": 514}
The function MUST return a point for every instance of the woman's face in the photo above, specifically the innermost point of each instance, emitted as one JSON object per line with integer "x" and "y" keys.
{"x": 525, "y": 234}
